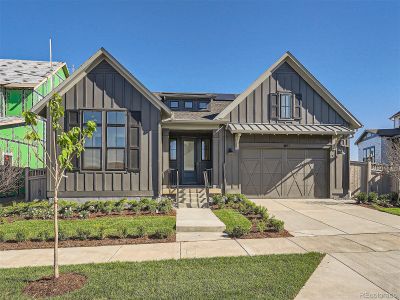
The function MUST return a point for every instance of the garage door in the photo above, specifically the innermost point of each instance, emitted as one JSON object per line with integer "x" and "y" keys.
{"x": 284, "y": 173}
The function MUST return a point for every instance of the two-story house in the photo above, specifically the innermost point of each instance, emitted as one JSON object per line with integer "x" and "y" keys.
{"x": 372, "y": 143}
{"x": 285, "y": 136}
{"x": 23, "y": 83}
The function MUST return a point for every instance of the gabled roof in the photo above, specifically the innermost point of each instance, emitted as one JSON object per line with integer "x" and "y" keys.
{"x": 395, "y": 115}
{"x": 308, "y": 77}
{"x": 87, "y": 66}
{"x": 26, "y": 73}
{"x": 379, "y": 132}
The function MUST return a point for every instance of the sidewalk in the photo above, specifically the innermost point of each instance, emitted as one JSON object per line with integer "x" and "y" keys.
{"x": 355, "y": 264}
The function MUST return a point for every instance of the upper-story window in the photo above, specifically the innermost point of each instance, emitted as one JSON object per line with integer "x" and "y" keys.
{"x": 203, "y": 105}
{"x": 174, "y": 104}
{"x": 91, "y": 158}
{"x": 285, "y": 106}
{"x": 369, "y": 152}
{"x": 189, "y": 104}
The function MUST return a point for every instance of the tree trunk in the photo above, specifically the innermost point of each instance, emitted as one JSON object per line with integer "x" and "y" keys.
{"x": 56, "y": 272}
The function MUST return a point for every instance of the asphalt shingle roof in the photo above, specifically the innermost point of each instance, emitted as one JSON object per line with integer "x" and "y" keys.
{"x": 29, "y": 72}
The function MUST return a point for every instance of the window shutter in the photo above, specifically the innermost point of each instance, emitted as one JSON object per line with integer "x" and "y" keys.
{"x": 134, "y": 141}
{"x": 297, "y": 106}
{"x": 73, "y": 120}
{"x": 274, "y": 106}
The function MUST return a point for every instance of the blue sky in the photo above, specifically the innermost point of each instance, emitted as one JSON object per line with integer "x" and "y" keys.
{"x": 352, "y": 47}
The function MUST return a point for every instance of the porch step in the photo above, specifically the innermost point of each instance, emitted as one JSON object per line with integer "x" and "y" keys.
{"x": 192, "y": 198}
{"x": 197, "y": 220}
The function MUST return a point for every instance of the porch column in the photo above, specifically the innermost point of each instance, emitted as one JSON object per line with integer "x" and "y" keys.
{"x": 165, "y": 157}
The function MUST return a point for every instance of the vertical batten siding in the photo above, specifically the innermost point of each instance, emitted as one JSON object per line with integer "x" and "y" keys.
{"x": 105, "y": 88}
{"x": 314, "y": 110}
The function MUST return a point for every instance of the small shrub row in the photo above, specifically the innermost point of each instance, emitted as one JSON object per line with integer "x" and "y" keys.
{"x": 385, "y": 200}
{"x": 83, "y": 233}
{"x": 68, "y": 209}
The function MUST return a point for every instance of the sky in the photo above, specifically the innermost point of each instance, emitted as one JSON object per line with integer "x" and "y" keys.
{"x": 352, "y": 47}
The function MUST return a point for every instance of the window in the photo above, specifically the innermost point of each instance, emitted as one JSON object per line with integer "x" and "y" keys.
{"x": 134, "y": 141}
{"x": 203, "y": 105}
{"x": 172, "y": 149}
{"x": 188, "y": 104}
{"x": 92, "y": 154}
{"x": 116, "y": 140}
{"x": 285, "y": 106}
{"x": 205, "y": 149}
{"x": 369, "y": 153}
{"x": 174, "y": 104}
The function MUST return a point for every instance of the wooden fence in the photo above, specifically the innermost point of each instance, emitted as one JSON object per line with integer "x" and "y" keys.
{"x": 35, "y": 184}
{"x": 368, "y": 177}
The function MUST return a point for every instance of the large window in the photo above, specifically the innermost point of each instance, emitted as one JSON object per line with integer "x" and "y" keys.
{"x": 172, "y": 149}
{"x": 92, "y": 154}
{"x": 116, "y": 140}
{"x": 174, "y": 104}
{"x": 369, "y": 152}
{"x": 285, "y": 106}
{"x": 205, "y": 149}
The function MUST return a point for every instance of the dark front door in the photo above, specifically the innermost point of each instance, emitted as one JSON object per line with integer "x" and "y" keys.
{"x": 189, "y": 175}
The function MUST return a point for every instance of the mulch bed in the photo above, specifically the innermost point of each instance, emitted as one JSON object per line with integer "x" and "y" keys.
{"x": 266, "y": 234}
{"x": 50, "y": 287}
{"x": 84, "y": 243}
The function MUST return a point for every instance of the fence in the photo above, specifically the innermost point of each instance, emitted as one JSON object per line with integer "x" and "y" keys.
{"x": 35, "y": 184}
{"x": 368, "y": 177}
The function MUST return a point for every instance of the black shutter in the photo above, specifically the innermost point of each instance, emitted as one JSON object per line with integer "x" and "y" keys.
{"x": 73, "y": 119}
{"x": 134, "y": 141}
{"x": 297, "y": 106}
{"x": 274, "y": 106}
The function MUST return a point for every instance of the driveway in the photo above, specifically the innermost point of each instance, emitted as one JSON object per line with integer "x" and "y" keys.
{"x": 362, "y": 246}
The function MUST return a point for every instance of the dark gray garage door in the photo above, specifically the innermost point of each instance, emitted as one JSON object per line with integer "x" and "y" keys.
{"x": 284, "y": 173}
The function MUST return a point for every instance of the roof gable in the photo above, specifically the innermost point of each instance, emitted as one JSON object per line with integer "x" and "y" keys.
{"x": 308, "y": 78}
{"x": 91, "y": 64}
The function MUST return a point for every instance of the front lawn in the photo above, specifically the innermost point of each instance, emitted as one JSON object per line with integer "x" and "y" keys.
{"x": 232, "y": 218}
{"x": 389, "y": 210}
{"x": 267, "y": 277}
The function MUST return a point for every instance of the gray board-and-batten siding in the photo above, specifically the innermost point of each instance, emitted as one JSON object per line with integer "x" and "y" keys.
{"x": 104, "y": 88}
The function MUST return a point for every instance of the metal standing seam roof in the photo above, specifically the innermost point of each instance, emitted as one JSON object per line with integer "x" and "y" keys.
{"x": 269, "y": 128}
{"x": 25, "y": 72}
{"x": 4, "y": 121}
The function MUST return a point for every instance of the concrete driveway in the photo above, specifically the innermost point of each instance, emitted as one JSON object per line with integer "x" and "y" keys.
{"x": 362, "y": 246}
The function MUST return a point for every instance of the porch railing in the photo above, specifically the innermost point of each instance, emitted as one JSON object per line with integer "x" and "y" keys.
{"x": 207, "y": 173}
{"x": 173, "y": 182}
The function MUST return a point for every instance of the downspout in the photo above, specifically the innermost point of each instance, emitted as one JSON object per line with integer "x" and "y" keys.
{"x": 223, "y": 170}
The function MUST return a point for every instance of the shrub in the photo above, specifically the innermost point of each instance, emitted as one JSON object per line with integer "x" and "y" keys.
{"x": 123, "y": 232}
{"x": 361, "y": 197}
{"x": 2, "y": 236}
{"x": 147, "y": 204}
{"x": 372, "y": 197}
{"x": 63, "y": 235}
{"x": 218, "y": 200}
{"x": 141, "y": 231}
{"x": 275, "y": 224}
{"x": 262, "y": 211}
{"x": 238, "y": 231}
{"x": 3, "y": 220}
{"x": 21, "y": 236}
{"x": 261, "y": 226}
{"x": 107, "y": 207}
{"x": 165, "y": 205}
{"x": 384, "y": 197}
{"x": 66, "y": 212}
{"x": 162, "y": 233}
{"x": 43, "y": 235}
{"x": 101, "y": 233}
{"x": 84, "y": 214}
{"x": 120, "y": 205}
{"x": 83, "y": 233}
{"x": 133, "y": 205}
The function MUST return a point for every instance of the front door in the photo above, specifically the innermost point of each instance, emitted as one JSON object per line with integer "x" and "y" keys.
{"x": 189, "y": 175}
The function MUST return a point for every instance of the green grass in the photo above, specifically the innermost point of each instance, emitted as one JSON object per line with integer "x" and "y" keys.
{"x": 232, "y": 218}
{"x": 389, "y": 210}
{"x": 266, "y": 277}
{"x": 110, "y": 225}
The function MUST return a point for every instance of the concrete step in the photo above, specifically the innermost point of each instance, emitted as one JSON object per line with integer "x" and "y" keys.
{"x": 197, "y": 220}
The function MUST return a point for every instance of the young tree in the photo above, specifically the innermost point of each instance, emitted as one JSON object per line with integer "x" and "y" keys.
{"x": 393, "y": 161}
{"x": 64, "y": 147}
